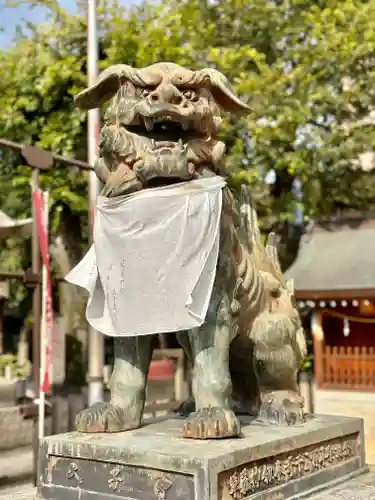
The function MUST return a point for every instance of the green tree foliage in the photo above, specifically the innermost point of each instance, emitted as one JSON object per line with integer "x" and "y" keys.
{"x": 305, "y": 68}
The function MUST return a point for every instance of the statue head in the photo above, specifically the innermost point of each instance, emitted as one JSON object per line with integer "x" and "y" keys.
{"x": 164, "y": 117}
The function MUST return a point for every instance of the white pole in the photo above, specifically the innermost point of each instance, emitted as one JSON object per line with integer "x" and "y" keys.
{"x": 95, "y": 339}
{"x": 43, "y": 330}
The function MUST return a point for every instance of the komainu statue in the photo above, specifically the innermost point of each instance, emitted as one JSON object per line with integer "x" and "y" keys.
{"x": 160, "y": 131}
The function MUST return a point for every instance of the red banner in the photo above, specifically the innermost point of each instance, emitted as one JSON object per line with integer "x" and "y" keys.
{"x": 38, "y": 203}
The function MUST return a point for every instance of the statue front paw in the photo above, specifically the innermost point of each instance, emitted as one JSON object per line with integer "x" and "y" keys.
{"x": 212, "y": 423}
{"x": 282, "y": 408}
{"x": 104, "y": 417}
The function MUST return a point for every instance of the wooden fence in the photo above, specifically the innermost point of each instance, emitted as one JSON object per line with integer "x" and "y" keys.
{"x": 348, "y": 368}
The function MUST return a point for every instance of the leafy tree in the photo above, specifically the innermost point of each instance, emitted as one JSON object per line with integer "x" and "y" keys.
{"x": 306, "y": 69}
{"x": 39, "y": 76}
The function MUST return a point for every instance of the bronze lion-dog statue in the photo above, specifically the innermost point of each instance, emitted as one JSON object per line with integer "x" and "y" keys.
{"x": 160, "y": 128}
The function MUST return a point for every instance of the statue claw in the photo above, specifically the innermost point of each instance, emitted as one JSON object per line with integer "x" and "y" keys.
{"x": 211, "y": 423}
{"x": 282, "y": 408}
{"x": 104, "y": 417}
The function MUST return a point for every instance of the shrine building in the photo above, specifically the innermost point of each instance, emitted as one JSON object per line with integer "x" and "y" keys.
{"x": 334, "y": 275}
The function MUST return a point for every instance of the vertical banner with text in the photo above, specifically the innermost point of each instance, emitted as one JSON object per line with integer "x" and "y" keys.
{"x": 40, "y": 202}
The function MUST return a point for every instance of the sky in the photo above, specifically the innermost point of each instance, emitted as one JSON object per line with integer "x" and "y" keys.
{"x": 10, "y": 17}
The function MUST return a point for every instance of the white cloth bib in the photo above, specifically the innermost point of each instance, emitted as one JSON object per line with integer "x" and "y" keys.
{"x": 152, "y": 266}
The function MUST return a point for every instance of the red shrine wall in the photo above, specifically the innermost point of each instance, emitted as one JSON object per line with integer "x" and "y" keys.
{"x": 361, "y": 334}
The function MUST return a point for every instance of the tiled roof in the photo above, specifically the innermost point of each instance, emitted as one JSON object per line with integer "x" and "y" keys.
{"x": 336, "y": 256}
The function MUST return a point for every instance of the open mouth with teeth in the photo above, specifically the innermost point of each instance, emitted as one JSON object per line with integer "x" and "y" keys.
{"x": 167, "y": 135}
{"x": 165, "y": 131}
{"x": 165, "y": 125}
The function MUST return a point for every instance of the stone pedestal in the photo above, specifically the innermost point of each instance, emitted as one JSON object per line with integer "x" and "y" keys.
{"x": 155, "y": 463}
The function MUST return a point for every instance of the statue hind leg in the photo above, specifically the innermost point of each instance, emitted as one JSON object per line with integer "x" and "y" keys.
{"x": 212, "y": 385}
{"x": 277, "y": 357}
{"x": 128, "y": 389}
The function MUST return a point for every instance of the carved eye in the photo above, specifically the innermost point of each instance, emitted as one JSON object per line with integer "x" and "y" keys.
{"x": 145, "y": 92}
{"x": 191, "y": 95}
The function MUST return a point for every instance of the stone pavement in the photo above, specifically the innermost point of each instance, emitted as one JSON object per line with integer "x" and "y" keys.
{"x": 24, "y": 492}
{"x": 15, "y": 465}
{"x": 351, "y": 404}
{"x": 360, "y": 488}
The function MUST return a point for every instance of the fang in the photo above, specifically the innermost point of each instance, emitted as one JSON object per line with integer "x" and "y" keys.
{"x": 149, "y": 124}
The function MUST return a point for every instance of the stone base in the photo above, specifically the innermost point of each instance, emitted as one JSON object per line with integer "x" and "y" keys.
{"x": 155, "y": 463}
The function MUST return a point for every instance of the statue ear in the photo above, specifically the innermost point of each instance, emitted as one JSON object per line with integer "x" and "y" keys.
{"x": 222, "y": 91}
{"x": 106, "y": 86}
